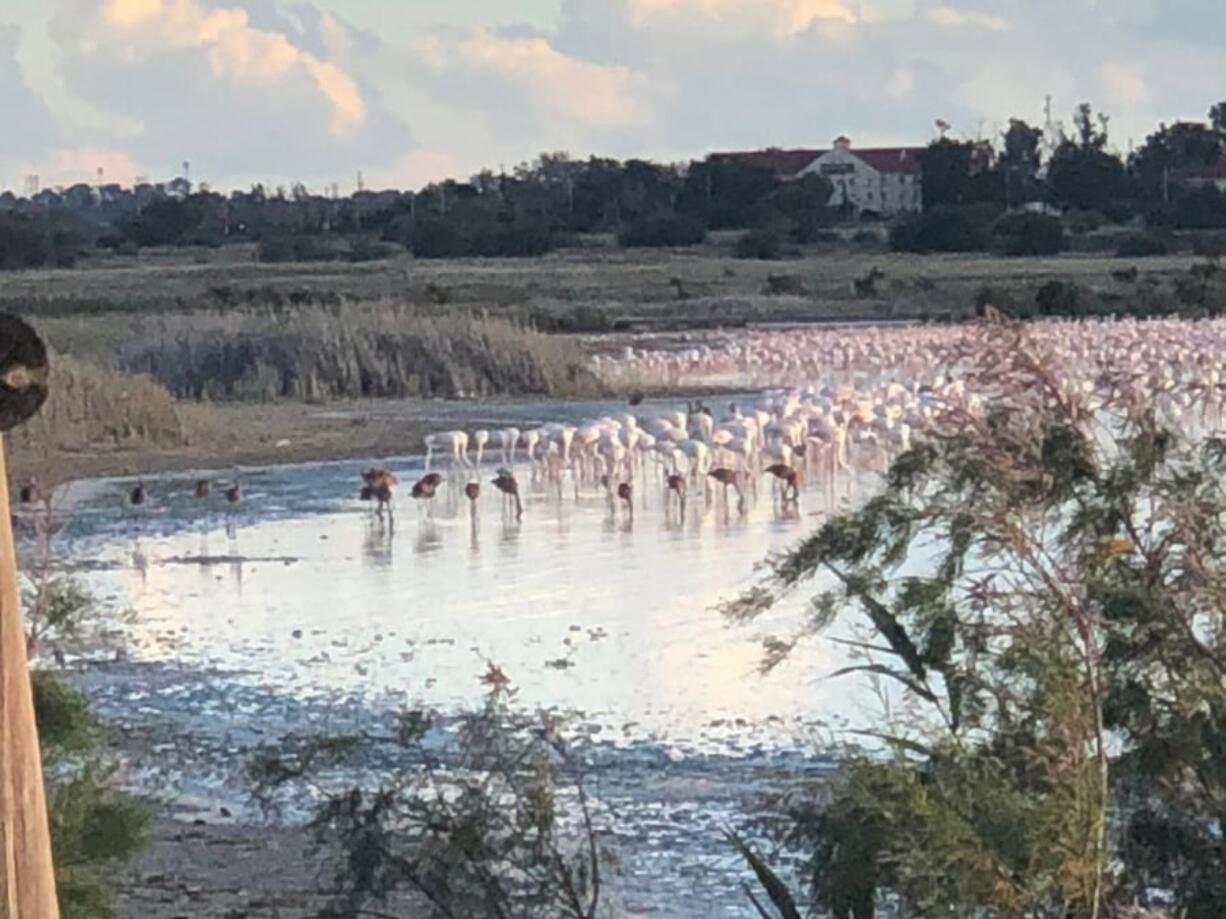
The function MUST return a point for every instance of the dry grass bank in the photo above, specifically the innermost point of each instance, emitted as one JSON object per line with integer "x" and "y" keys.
{"x": 93, "y": 413}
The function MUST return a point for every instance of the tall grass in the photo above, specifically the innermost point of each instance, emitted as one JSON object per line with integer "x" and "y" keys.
{"x": 94, "y": 409}
{"x": 382, "y": 349}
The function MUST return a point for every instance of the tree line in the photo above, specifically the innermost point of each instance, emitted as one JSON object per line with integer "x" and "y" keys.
{"x": 971, "y": 191}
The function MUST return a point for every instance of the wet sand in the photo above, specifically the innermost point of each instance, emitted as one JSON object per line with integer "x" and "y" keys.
{"x": 251, "y": 435}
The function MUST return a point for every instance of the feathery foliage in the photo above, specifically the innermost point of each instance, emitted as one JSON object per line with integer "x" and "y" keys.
{"x": 1042, "y": 583}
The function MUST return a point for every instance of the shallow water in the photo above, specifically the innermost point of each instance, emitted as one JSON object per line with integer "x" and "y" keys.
{"x": 299, "y": 595}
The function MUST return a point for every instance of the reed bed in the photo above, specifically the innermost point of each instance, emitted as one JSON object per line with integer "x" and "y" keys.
{"x": 354, "y": 350}
{"x": 95, "y": 409}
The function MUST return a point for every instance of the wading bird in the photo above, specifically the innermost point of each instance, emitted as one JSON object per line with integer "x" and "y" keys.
{"x": 729, "y": 478}
{"x": 378, "y": 488}
{"x": 790, "y": 479}
{"x": 425, "y": 488}
{"x": 507, "y": 484}
{"x": 625, "y": 491}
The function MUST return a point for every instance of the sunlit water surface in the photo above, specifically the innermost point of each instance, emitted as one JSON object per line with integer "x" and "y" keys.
{"x": 297, "y": 610}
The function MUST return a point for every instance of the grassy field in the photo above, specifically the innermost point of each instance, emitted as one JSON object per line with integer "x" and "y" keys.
{"x": 591, "y": 289}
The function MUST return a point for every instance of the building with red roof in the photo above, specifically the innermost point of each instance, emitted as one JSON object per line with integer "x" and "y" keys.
{"x": 882, "y": 180}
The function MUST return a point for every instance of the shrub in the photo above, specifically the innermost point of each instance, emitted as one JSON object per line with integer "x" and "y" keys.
{"x": 658, "y": 232}
{"x": 510, "y": 240}
{"x": 946, "y": 229}
{"x": 817, "y": 235}
{"x": 95, "y": 827}
{"x": 1118, "y": 212}
{"x": 1004, "y": 300}
{"x": 1209, "y": 245}
{"x": 1203, "y": 209}
{"x": 1050, "y": 746}
{"x": 764, "y": 244}
{"x": 1140, "y": 245}
{"x": 39, "y": 242}
{"x": 495, "y": 823}
{"x": 784, "y": 285}
{"x": 452, "y": 238}
{"x": 295, "y": 249}
{"x": 437, "y": 239}
{"x": 1028, "y": 234}
{"x": 1059, "y": 298}
{"x": 162, "y": 222}
{"x": 370, "y": 250}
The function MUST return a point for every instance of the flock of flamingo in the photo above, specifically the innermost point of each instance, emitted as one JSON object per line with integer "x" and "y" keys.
{"x": 834, "y": 401}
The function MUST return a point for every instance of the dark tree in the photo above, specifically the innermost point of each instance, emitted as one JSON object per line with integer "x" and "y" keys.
{"x": 1019, "y": 162}
{"x": 1085, "y": 177}
{"x": 958, "y": 172}
{"x": 1172, "y": 152}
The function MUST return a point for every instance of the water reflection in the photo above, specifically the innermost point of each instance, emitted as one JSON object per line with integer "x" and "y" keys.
{"x": 622, "y": 593}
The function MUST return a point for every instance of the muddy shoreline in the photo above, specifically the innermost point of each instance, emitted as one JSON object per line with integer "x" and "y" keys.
{"x": 288, "y": 433}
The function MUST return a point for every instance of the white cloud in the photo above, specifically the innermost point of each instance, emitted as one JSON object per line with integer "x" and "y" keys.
{"x": 953, "y": 18}
{"x": 245, "y": 90}
{"x": 416, "y": 170}
{"x": 582, "y": 92}
{"x": 235, "y": 50}
{"x": 287, "y": 89}
{"x": 785, "y": 17}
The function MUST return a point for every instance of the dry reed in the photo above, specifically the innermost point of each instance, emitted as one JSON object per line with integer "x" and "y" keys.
{"x": 382, "y": 349}
{"x": 93, "y": 409}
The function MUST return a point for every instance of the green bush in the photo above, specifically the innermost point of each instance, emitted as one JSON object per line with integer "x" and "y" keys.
{"x": 276, "y": 249}
{"x": 37, "y": 241}
{"x": 1028, "y": 234}
{"x": 1052, "y": 745}
{"x": 945, "y": 229}
{"x": 659, "y": 232}
{"x": 1140, "y": 245}
{"x": 762, "y": 244}
{"x": 453, "y": 238}
{"x": 370, "y": 250}
{"x": 1059, "y": 298}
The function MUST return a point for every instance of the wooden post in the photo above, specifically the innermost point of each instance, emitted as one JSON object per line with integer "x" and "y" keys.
{"x": 27, "y": 883}
{"x": 27, "y": 873}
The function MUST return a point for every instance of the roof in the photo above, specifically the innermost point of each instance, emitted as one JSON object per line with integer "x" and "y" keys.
{"x": 788, "y": 163}
{"x": 892, "y": 159}
{"x": 782, "y": 163}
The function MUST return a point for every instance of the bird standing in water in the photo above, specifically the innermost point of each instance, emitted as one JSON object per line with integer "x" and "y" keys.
{"x": 790, "y": 479}
{"x": 378, "y": 488}
{"x": 426, "y": 487}
{"x": 507, "y": 484}
{"x": 677, "y": 486}
{"x": 727, "y": 478}
{"x": 625, "y": 491}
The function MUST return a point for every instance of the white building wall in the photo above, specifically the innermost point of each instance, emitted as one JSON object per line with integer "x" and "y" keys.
{"x": 863, "y": 187}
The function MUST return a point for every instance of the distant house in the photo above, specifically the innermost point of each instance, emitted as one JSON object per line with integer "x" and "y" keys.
{"x": 883, "y": 180}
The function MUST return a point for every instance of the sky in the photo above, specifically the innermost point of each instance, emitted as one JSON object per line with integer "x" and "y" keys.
{"x": 410, "y": 91}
